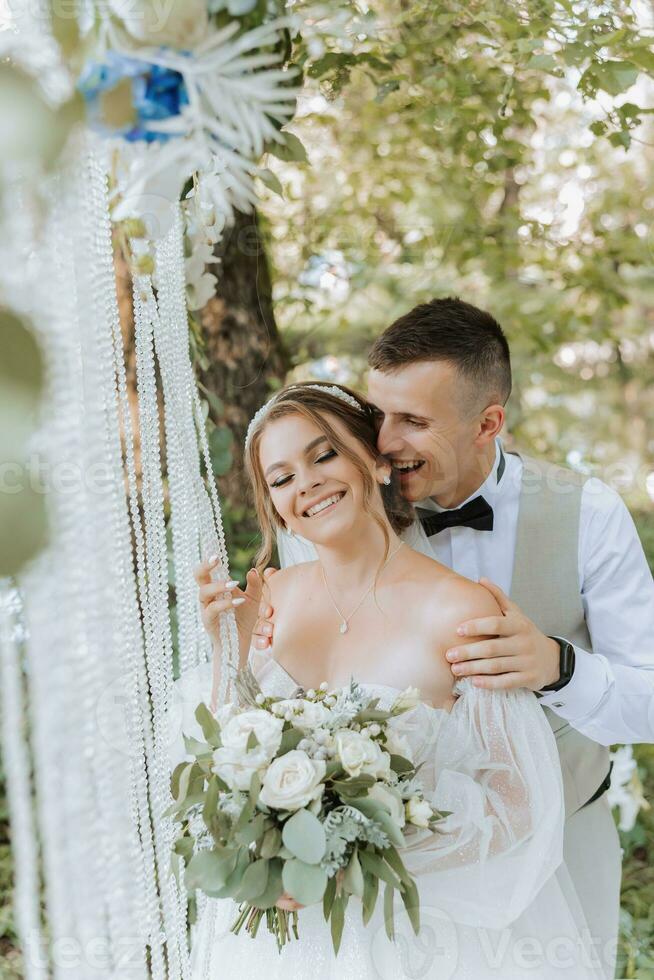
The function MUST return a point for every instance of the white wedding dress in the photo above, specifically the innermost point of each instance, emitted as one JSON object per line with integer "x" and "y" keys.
{"x": 496, "y": 900}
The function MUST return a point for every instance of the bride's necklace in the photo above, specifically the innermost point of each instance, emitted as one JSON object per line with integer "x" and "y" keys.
{"x": 345, "y": 624}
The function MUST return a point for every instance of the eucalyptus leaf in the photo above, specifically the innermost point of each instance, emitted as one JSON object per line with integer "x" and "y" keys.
{"x": 400, "y": 764}
{"x": 355, "y": 786}
{"x": 290, "y": 739}
{"x": 254, "y": 881}
{"x": 305, "y": 883}
{"x": 252, "y": 831}
{"x": 195, "y": 747}
{"x": 271, "y": 842}
{"x": 304, "y": 835}
{"x": 390, "y": 826}
{"x": 353, "y": 876}
{"x": 211, "y": 802}
{"x": 375, "y": 865}
{"x": 392, "y": 857}
{"x": 411, "y": 901}
{"x": 328, "y": 897}
{"x": 370, "y": 893}
{"x": 388, "y": 912}
{"x": 337, "y": 922}
{"x": 274, "y": 887}
{"x": 208, "y": 724}
{"x": 210, "y": 870}
{"x": 241, "y": 860}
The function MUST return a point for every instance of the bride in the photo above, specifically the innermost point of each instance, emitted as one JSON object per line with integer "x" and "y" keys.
{"x": 495, "y": 896}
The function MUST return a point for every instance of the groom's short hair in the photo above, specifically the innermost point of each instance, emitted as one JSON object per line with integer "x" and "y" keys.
{"x": 449, "y": 330}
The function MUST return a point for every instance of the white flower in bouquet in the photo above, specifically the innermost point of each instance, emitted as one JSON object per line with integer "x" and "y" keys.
{"x": 409, "y": 698}
{"x": 390, "y": 799}
{"x": 234, "y": 762}
{"x": 307, "y": 715}
{"x": 397, "y": 744}
{"x": 293, "y": 781}
{"x": 418, "y": 811}
{"x": 360, "y": 754}
{"x": 266, "y": 728}
{"x": 225, "y": 713}
{"x": 236, "y": 767}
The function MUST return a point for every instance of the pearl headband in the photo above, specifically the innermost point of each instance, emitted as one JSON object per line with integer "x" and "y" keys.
{"x": 330, "y": 389}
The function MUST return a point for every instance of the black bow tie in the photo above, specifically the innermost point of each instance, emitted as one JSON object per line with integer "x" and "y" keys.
{"x": 477, "y": 514}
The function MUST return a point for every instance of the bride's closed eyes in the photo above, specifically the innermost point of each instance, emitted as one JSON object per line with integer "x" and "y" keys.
{"x": 322, "y": 458}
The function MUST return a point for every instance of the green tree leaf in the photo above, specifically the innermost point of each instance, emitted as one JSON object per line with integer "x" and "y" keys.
{"x": 616, "y": 76}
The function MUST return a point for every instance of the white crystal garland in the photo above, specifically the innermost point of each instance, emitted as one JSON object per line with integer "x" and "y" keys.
{"x": 17, "y": 768}
{"x": 100, "y": 649}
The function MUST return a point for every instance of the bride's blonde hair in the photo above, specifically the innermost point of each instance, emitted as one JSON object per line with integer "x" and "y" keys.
{"x": 313, "y": 401}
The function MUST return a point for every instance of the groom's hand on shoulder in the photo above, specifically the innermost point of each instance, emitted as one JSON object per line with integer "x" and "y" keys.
{"x": 262, "y": 636}
{"x": 516, "y": 655}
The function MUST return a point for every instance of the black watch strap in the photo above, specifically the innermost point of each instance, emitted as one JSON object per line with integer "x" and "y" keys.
{"x": 566, "y": 666}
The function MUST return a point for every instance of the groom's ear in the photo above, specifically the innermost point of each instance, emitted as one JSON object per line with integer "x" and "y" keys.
{"x": 491, "y": 421}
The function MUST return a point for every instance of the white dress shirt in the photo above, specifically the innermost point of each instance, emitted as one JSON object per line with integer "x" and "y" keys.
{"x": 611, "y": 695}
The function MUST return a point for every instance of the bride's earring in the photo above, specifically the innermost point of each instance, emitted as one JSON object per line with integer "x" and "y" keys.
{"x": 387, "y": 480}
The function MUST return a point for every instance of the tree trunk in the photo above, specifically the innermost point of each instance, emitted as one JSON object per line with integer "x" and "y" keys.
{"x": 243, "y": 345}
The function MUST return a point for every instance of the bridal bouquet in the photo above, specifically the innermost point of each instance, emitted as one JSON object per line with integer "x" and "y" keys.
{"x": 310, "y": 796}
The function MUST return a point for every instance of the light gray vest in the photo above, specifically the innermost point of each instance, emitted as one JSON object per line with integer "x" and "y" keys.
{"x": 545, "y": 585}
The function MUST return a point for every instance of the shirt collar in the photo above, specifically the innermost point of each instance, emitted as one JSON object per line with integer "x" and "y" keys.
{"x": 489, "y": 489}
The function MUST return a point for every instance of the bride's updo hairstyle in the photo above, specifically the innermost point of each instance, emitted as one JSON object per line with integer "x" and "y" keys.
{"x": 314, "y": 401}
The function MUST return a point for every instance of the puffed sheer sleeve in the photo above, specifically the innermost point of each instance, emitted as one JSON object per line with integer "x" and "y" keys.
{"x": 493, "y": 763}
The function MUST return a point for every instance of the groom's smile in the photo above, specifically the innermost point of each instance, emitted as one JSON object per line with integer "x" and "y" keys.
{"x": 406, "y": 468}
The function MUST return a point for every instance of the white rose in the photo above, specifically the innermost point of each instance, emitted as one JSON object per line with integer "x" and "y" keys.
{"x": 306, "y": 714}
{"x": 418, "y": 811}
{"x": 359, "y": 754}
{"x": 236, "y": 767}
{"x": 293, "y": 781}
{"x": 266, "y": 727}
{"x": 409, "y": 698}
{"x": 391, "y": 800}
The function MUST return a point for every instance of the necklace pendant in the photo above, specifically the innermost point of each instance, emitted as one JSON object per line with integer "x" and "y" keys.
{"x": 343, "y": 627}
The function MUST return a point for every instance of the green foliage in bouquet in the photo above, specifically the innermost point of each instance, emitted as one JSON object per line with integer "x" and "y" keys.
{"x": 300, "y": 797}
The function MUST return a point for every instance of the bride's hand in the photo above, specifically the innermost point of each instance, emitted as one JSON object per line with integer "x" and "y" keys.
{"x": 222, "y": 596}
{"x": 287, "y": 903}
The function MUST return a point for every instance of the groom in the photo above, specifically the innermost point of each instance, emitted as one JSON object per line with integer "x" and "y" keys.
{"x": 578, "y": 627}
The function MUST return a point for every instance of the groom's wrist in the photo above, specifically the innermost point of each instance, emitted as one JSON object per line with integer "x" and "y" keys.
{"x": 566, "y": 666}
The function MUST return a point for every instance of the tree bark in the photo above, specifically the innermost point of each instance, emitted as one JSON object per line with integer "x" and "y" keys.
{"x": 243, "y": 345}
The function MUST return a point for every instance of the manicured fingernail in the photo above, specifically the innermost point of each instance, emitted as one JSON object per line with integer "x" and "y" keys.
{"x": 231, "y": 584}
{"x": 238, "y": 602}
{"x": 267, "y": 630}
{"x": 213, "y": 560}
{"x": 461, "y": 630}
{"x": 457, "y": 668}
{"x": 451, "y": 655}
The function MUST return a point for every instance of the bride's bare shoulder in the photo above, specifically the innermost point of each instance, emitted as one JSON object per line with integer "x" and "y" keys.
{"x": 450, "y": 599}
{"x": 288, "y": 581}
